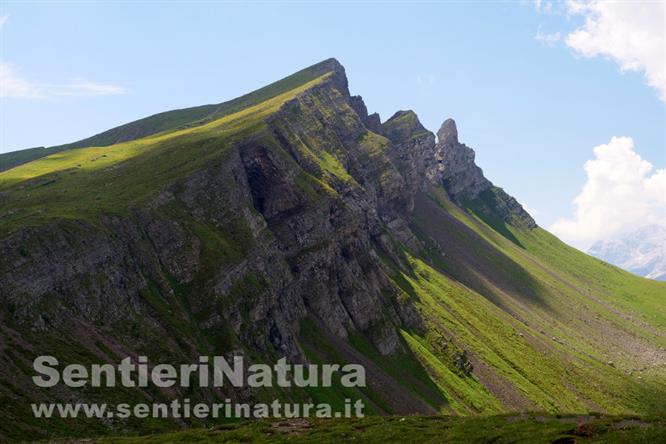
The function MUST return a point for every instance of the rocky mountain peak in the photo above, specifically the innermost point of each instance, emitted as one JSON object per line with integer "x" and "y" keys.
{"x": 330, "y": 64}
{"x": 448, "y": 132}
{"x": 402, "y": 126}
{"x": 337, "y": 75}
{"x": 455, "y": 168}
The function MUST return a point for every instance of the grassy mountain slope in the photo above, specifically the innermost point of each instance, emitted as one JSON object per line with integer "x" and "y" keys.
{"x": 536, "y": 318}
{"x": 287, "y": 228}
{"x": 173, "y": 120}
{"x": 86, "y": 182}
{"x": 14, "y": 158}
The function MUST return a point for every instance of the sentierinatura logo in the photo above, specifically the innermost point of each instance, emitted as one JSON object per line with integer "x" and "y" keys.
{"x": 215, "y": 372}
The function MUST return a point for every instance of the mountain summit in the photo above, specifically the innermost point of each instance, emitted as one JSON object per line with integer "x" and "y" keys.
{"x": 292, "y": 223}
{"x": 180, "y": 118}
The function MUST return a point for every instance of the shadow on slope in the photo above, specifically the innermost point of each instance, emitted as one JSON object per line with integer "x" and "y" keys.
{"x": 484, "y": 207}
{"x": 469, "y": 258}
{"x": 396, "y": 384}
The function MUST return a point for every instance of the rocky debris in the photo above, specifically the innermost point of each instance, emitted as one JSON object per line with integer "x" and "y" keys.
{"x": 462, "y": 363}
{"x": 295, "y": 426}
{"x": 585, "y": 429}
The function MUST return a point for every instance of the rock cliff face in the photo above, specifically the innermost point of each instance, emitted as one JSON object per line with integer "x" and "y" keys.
{"x": 456, "y": 168}
{"x": 304, "y": 219}
{"x": 290, "y": 224}
{"x": 302, "y": 248}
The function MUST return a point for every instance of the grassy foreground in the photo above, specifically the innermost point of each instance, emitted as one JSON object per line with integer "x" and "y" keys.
{"x": 523, "y": 428}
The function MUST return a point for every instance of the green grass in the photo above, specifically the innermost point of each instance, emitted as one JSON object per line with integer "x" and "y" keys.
{"x": 643, "y": 297}
{"x": 539, "y": 333}
{"x": 479, "y": 326}
{"x": 332, "y": 166}
{"x": 373, "y": 144}
{"x": 14, "y": 158}
{"x": 465, "y": 394}
{"x": 535, "y": 428}
{"x": 556, "y": 264}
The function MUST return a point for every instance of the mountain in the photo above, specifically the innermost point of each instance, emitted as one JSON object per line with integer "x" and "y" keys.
{"x": 297, "y": 225}
{"x": 642, "y": 252}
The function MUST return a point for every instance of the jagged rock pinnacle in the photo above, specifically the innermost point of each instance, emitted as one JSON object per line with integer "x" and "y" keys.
{"x": 464, "y": 180}
{"x": 448, "y": 132}
{"x": 372, "y": 121}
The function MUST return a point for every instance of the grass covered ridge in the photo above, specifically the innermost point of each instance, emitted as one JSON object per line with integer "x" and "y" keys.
{"x": 84, "y": 183}
{"x": 176, "y": 119}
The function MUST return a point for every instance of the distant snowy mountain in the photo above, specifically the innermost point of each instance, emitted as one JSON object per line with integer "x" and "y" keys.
{"x": 642, "y": 252}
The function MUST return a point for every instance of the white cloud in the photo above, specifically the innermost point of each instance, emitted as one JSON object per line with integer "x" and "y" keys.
{"x": 80, "y": 87}
{"x": 548, "y": 39}
{"x": 545, "y": 7}
{"x": 3, "y": 20}
{"x": 633, "y": 34}
{"x": 622, "y": 193}
{"x": 13, "y": 85}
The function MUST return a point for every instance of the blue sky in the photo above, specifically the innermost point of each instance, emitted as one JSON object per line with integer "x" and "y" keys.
{"x": 532, "y": 106}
